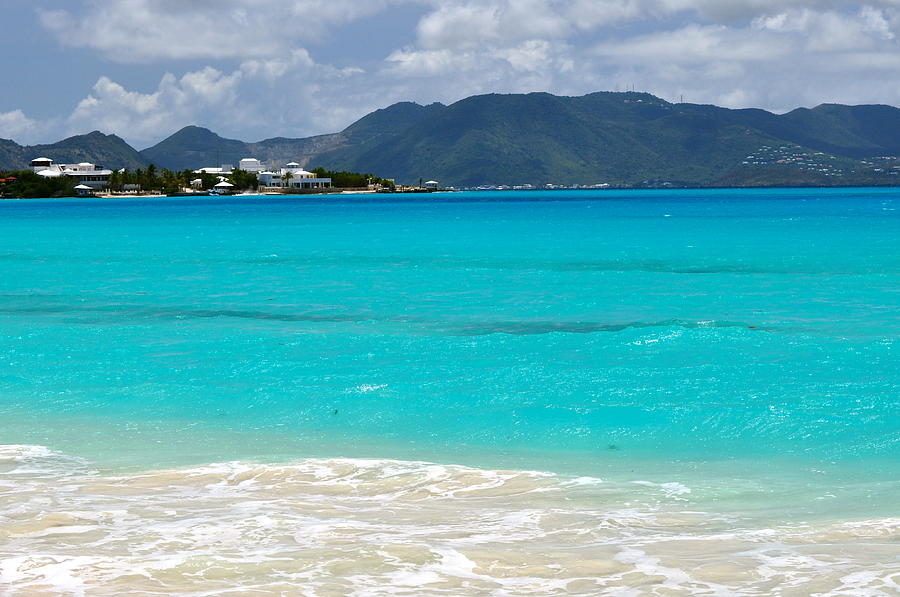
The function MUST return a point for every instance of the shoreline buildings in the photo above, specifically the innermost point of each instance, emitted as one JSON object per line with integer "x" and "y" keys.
{"x": 292, "y": 176}
{"x": 85, "y": 173}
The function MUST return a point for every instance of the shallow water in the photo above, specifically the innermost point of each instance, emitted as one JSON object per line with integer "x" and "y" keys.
{"x": 249, "y": 394}
{"x": 376, "y": 527}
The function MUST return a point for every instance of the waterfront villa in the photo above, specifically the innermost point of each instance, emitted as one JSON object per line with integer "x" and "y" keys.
{"x": 86, "y": 174}
{"x": 292, "y": 176}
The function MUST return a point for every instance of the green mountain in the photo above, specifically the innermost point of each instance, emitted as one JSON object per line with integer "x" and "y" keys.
{"x": 626, "y": 139}
{"x": 379, "y": 128}
{"x": 10, "y": 155}
{"x": 194, "y": 147}
{"x": 108, "y": 150}
{"x": 631, "y": 139}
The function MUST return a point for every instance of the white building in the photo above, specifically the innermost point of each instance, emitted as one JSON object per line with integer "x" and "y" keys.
{"x": 223, "y": 170}
{"x": 224, "y": 188}
{"x": 432, "y": 185}
{"x": 269, "y": 179}
{"x": 85, "y": 173}
{"x": 40, "y": 164}
{"x": 292, "y": 176}
{"x": 252, "y": 165}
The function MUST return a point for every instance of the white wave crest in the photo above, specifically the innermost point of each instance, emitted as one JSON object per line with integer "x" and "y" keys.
{"x": 386, "y": 527}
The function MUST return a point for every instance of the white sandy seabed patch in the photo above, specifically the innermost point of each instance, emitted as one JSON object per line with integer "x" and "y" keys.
{"x": 376, "y": 527}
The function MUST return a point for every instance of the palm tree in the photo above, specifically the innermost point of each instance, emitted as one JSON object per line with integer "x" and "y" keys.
{"x": 151, "y": 176}
{"x": 286, "y": 179}
{"x": 113, "y": 182}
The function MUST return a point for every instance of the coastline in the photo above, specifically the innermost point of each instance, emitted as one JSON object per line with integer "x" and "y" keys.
{"x": 469, "y": 531}
{"x": 536, "y": 189}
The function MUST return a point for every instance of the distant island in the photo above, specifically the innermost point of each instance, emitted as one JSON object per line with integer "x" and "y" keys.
{"x": 538, "y": 140}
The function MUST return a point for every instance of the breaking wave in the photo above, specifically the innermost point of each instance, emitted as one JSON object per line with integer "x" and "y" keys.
{"x": 382, "y": 527}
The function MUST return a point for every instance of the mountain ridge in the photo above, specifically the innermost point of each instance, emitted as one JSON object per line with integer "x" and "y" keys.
{"x": 622, "y": 139}
{"x": 194, "y": 147}
{"x": 110, "y": 150}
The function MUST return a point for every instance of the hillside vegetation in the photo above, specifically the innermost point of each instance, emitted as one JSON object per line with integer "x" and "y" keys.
{"x": 109, "y": 150}
{"x": 619, "y": 139}
{"x": 631, "y": 139}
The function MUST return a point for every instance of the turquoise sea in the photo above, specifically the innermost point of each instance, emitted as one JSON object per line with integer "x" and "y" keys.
{"x": 535, "y": 393}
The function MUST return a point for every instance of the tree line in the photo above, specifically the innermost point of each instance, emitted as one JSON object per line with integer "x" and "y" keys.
{"x": 168, "y": 181}
{"x": 344, "y": 179}
{"x": 28, "y": 184}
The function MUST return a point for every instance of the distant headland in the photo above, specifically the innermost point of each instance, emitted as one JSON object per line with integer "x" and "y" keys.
{"x": 538, "y": 140}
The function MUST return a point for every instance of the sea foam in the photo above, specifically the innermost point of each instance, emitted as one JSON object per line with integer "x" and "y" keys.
{"x": 387, "y": 527}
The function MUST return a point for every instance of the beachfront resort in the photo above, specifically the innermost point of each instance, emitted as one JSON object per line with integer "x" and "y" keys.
{"x": 292, "y": 177}
{"x": 252, "y": 174}
{"x": 89, "y": 177}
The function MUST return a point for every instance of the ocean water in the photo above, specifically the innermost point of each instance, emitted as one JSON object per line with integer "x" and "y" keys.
{"x": 560, "y": 393}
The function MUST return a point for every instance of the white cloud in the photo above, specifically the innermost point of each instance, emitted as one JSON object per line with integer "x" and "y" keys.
{"x": 732, "y": 11}
{"x": 697, "y": 45}
{"x": 289, "y": 96}
{"x": 469, "y": 24}
{"x": 774, "y": 54}
{"x": 831, "y": 31}
{"x": 148, "y": 30}
{"x": 739, "y": 53}
{"x": 456, "y": 27}
{"x": 538, "y": 55}
{"x": 875, "y": 22}
{"x": 111, "y": 107}
{"x": 19, "y": 127}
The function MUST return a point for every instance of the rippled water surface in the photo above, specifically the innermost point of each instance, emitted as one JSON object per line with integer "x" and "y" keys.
{"x": 283, "y": 396}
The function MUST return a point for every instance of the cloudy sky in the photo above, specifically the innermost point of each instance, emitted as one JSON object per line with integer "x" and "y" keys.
{"x": 252, "y": 69}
